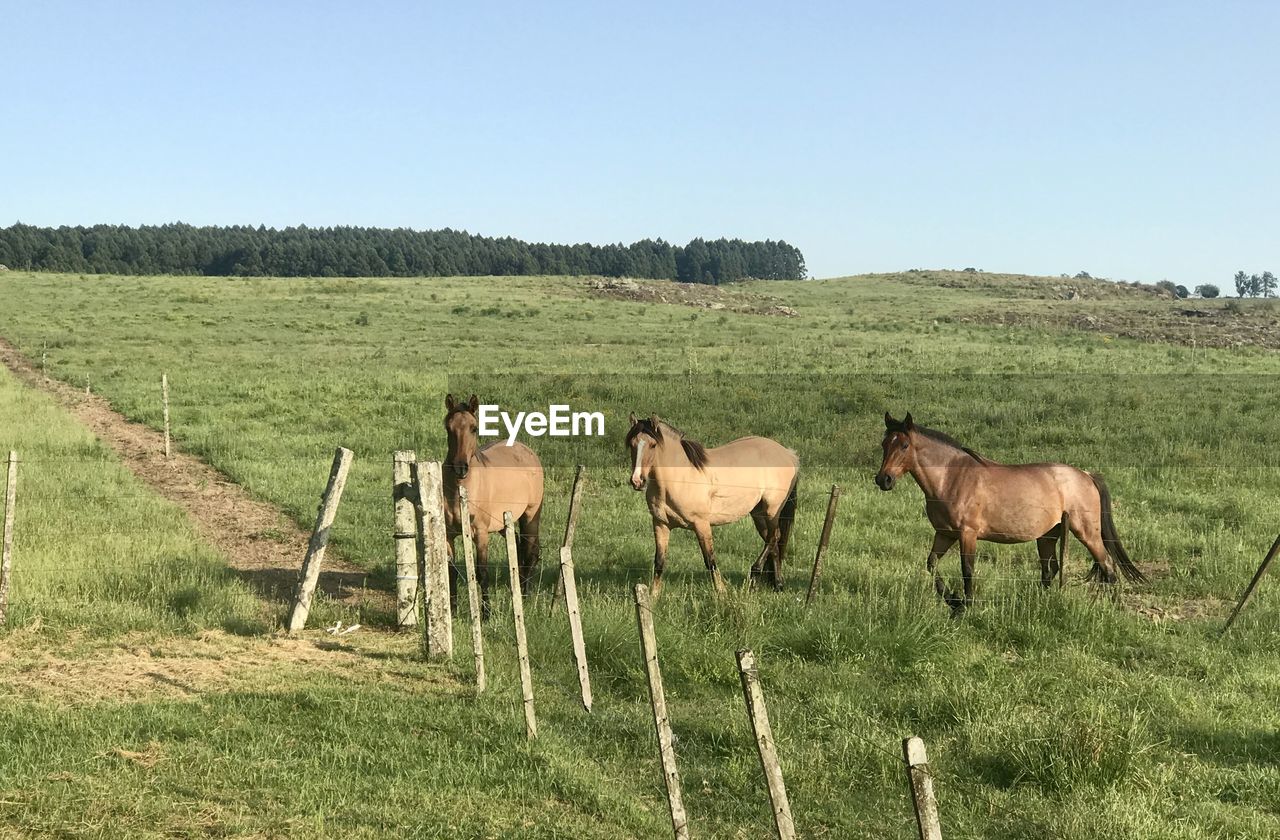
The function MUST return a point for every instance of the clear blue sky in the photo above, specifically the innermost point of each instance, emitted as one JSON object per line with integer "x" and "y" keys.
{"x": 1132, "y": 140}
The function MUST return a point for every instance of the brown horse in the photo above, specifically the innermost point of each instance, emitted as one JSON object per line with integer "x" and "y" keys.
{"x": 970, "y": 498}
{"x": 497, "y": 478}
{"x": 689, "y": 486}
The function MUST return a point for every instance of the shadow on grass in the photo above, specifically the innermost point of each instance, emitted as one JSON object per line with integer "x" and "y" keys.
{"x": 1229, "y": 748}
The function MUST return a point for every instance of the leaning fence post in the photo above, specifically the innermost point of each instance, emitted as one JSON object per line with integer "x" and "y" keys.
{"x": 164, "y": 398}
{"x": 1248, "y": 592}
{"x": 570, "y": 527}
{"x": 437, "y": 610}
{"x": 1062, "y": 549}
{"x": 575, "y": 624}
{"x": 473, "y": 591}
{"x": 517, "y": 613}
{"x": 310, "y": 574}
{"x": 403, "y": 536}
{"x": 765, "y": 746}
{"x": 921, "y": 781}
{"x": 6, "y": 552}
{"x": 661, "y": 723}
{"x": 822, "y": 542}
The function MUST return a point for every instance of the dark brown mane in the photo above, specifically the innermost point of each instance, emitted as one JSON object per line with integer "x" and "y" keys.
{"x": 694, "y": 451}
{"x": 943, "y": 437}
{"x": 644, "y": 426}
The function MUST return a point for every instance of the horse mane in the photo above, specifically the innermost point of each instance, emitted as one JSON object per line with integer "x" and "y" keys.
{"x": 943, "y": 437}
{"x": 694, "y": 451}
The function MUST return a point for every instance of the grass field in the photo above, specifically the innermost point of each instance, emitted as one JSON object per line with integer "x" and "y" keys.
{"x": 1046, "y": 714}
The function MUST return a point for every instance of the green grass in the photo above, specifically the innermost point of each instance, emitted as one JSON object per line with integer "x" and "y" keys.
{"x": 95, "y": 551}
{"x": 1046, "y": 714}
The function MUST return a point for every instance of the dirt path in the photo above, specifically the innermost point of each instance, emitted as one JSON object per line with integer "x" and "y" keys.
{"x": 260, "y": 542}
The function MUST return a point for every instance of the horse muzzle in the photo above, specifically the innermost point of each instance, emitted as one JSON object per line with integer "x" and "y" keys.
{"x": 885, "y": 481}
{"x": 637, "y": 484}
{"x": 460, "y": 470}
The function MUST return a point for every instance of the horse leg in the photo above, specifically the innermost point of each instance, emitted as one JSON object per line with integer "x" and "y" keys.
{"x": 529, "y": 550}
{"x": 703, "y": 531}
{"x": 1047, "y": 547}
{"x": 453, "y": 576}
{"x": 482, "y": 569}
{"x": 661, "y": 535}
{"x": 942, "y": 542}
{"x": 1090, "y": 533}
{"x": 762, "y": 528}
{"x": 774, "y": 548}
{"x": 968, "y": 554}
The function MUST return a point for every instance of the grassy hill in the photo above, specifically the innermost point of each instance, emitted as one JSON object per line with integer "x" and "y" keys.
{"x": 1047, "y": 714}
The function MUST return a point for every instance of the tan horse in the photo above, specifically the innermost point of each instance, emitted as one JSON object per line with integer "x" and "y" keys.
{"x": 497, "y": 478}
{"x": 970, "y": 498}
{"x": 689, "y": 486}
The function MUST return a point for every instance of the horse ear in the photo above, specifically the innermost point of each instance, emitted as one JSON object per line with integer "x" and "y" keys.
{"x": 448, "y": 402}
{"x": 889, "y": 422}
{"x": 907, "y": 422}
{"x": 631, "y": 418}
{"x": 475, "y": 403}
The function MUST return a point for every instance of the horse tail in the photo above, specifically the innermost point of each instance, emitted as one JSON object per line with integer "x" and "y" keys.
{"x": 786, "y": 519}
{"x": 1110, "y": 539}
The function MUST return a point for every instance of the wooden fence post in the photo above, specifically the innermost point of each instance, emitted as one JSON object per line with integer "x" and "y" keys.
{"x": 310, "y": 574}
{"x": 921, "y": 782}
{"x": 765, "y": 746}
{"x": 575, "y": 624}
{"x": 437, "y": 610}
{"x": 6, "y": 551}
{"x": 570, "y": 527}
{"x": 403, "y": 535}
{"x": 517, "y": 613}
{"x": 1248, "y": 592}
{"x": 661, "y": 723}
{"x": 164, "y": 398}
{"x": 473, "y": 590}
{"x": 822, "y": 543}
{"x": 1062, "y": 549}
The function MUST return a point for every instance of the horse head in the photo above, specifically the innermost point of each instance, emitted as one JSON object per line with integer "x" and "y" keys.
{"x": 898, "y": 455}
{"x": 462, "y": 426}
{"x": 642, "y": 441}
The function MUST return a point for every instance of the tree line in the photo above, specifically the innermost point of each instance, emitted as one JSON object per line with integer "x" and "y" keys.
{"x": 379, "y": 252}
{"x": 1256, "y": 285}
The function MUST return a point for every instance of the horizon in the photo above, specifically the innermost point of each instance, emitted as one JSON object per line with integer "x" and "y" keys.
{"x": 1132, "y": 144}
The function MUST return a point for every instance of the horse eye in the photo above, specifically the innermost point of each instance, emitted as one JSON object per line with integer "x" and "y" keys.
{"x": 475, "y": 429}
{"x": 906, "y": 445}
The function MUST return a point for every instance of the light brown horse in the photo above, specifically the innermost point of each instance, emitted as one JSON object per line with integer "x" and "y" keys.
{"x": 689, "y": 486}
{"x": 970, "y": 498}
{"x": 497, "y": 478}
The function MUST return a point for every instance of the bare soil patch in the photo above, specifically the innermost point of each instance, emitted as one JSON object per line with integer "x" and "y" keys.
{"x": 136, "y": 669}
{"x": 263, "y": 545}
{"x": 1186, "y": 323}
{"x": 699, "y": 295}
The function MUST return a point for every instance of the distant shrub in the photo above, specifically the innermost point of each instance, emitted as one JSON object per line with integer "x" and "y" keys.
{"x": 1181, "y": 291}
{"x": 1084, "y": 275}
{"x": 1207, "y": 290}
{"x": 1168, "y": 286}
